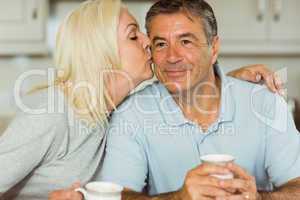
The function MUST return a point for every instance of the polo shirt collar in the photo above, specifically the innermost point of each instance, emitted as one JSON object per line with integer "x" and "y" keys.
{"x": 173, "y": 115}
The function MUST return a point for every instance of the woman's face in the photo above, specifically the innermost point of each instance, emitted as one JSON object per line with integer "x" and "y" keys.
{"x": 134, "y": 49}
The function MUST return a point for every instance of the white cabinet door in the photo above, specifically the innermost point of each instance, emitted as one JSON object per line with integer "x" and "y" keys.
{"x": 258, "y": 26}
{"x": 21, "y": 20}
{"x": 285, "y": 20}
{"x": 23, "y": 26}
{"x": 241, "y": 20}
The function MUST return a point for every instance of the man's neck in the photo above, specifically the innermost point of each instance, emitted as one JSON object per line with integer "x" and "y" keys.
{"x": 201, "y": 104}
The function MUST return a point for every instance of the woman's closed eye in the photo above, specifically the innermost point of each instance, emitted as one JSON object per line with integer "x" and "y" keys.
{"x": 133, "y": 35}
{"x": 134, "y": 38}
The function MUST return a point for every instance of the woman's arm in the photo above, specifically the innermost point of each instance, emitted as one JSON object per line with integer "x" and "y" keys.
{"x": 24, "y": 146}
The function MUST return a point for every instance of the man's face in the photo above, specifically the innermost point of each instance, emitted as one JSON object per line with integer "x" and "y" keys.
{"x": 180, "y": 51}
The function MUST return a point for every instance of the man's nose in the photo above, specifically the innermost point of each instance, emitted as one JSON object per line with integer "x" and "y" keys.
{"x": 173, "y": 55}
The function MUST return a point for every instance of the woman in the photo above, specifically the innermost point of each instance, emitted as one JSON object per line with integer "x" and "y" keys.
{"x": 102, "y": 57}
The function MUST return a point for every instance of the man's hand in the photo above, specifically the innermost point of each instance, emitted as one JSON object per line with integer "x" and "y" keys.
{"x": 200, "y": 185}
{"x": 258, "y": 74}
{"x": 66, "y": 194}
{"x": 243, "y": 183}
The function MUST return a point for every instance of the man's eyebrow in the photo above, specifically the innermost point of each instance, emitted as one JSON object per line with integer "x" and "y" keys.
{"x": 188, "y": 35}
{"x": 179, "y": 36}
{"x": 157, "y": 38}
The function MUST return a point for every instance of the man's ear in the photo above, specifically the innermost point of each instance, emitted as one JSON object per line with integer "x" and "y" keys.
{"x": 215, "y": 48}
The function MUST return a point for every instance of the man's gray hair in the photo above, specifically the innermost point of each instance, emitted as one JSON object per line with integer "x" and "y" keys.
{"x": 196, "y": 8}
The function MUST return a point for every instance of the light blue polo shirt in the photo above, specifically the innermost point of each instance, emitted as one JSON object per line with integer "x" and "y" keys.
{"x": 151, "y": 145}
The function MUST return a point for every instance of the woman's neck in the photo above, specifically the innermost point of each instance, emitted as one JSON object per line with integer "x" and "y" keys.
{"x": 118, "y": 90}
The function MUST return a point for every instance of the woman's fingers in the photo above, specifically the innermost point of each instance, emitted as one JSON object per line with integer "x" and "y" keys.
{"x": 263, "y": 73}
{"x": 279, "y": 84}
{"x": 269, "y": 81}
{"x": 260, "y": 74}
{"x": 248, "y": 75}
{"x": 66, "y": 194}
{"x": 75, "y": 185}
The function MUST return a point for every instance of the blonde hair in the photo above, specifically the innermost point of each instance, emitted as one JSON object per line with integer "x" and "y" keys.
{"x": 86, "y": 48}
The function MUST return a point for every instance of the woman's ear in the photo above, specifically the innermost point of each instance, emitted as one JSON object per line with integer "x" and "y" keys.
{"x": 215, "y": 47}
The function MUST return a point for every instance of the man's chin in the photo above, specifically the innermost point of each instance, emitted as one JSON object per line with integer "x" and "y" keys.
{"x": 175, "y": 88}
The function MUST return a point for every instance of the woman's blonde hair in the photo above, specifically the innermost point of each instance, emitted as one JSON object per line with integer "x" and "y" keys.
{"x": 86, "y": 49}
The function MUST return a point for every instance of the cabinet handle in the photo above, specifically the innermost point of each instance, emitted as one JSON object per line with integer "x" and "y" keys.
{"x": 277, "y": 8}
{"x": 35, "y": 10}
{"x": 35, "y": 13}
{"x": 261, "y": 7}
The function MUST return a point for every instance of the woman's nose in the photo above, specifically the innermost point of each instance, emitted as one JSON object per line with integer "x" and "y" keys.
{"x": 146, "y": 45}
{"x": 146, "y": 41}
{"x": 148, "y": 50}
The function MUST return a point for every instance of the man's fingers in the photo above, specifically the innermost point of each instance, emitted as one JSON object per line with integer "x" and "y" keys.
{"x": 238, "y": 171}
{"x": 233, "y": 197}
{"x": 207, "y": 198}
{"x": 238, "y": 184}
{"x": 213, "y": 192}
{"x": 207, "y": 181}
{"x": 243, "y": 196}
{"x": 208, "y": 169}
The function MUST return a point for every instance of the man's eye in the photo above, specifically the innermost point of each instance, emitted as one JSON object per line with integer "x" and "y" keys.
{"x": 160, "y": 45}
{"x": 185, "y": 42}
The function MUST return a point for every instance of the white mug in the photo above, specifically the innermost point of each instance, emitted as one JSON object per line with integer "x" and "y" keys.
{"x": 219, "y": 159}
{"x": 101, "y": 191}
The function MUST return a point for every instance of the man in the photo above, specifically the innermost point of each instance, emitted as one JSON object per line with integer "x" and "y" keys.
{"x": 158, "y": 135}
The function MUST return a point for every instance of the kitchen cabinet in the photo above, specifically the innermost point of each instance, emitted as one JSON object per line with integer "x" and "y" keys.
{"x": 23, "y": 27}
{"x": 258, "y": 26}
{"x": 285, "y": 24}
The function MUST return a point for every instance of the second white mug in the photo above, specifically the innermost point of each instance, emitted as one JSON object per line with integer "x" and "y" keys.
{"x": 101, "y": 191}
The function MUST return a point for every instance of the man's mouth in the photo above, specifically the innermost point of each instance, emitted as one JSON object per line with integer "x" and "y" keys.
{"x": 176, "y": 73}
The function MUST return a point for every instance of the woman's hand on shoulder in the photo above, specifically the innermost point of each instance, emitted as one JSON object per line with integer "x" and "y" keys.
{"x": 259, "y": 73}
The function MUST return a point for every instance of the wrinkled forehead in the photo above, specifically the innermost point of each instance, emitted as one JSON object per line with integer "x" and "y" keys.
{"x": 166, "y": 25}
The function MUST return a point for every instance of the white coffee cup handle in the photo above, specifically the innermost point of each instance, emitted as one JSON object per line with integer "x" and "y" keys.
{"x": 82, "y": 191}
